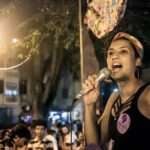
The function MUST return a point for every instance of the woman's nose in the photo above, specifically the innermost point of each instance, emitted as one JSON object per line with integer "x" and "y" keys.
{"x": 115, "y": 55}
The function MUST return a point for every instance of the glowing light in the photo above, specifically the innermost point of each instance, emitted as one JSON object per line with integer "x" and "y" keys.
{"x": 14, "y": 40}
{"x": 115, "y": 90}
{"x": 9, "y": 92}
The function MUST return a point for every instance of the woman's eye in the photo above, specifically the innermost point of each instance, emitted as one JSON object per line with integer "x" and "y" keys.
{"x": 124, "y": 51}
{"x": 109, "y": 53}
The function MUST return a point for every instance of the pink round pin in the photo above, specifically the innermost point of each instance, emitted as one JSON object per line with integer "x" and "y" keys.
{"x": 123, "y": 123}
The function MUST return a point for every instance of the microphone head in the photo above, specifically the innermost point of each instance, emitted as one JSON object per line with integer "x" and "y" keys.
{"x": 103, "y": 74}
{"x": 106, "y": 72}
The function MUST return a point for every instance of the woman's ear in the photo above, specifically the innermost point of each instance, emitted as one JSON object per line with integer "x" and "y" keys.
{"x": 138, "y": 62}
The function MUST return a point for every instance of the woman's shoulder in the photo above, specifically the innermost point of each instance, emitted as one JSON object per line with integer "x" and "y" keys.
{"x": 144, "y": 102}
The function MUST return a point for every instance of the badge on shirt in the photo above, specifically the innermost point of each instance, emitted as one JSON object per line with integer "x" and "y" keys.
{"x": 123, "y": 123}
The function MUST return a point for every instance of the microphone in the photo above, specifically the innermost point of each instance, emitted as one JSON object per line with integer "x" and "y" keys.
{"x": 102, "y": 75}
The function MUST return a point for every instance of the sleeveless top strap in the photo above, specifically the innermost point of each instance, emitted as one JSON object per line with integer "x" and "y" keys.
{"x": 105, "y": 118}
{"x": 140, "y": 90}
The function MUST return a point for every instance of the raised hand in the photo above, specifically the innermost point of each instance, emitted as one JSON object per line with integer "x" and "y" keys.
{"x": 92, "y": 86}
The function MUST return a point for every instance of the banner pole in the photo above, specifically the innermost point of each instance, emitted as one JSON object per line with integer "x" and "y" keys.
{"x": 81, "y": 41}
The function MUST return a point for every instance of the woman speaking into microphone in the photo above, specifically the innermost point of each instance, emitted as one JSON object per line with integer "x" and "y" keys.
{"x": 125, "y": 122}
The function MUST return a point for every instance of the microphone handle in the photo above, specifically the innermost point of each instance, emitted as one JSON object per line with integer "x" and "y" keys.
{"x": 99, "y": 78}
{"x": 83, "y": 93}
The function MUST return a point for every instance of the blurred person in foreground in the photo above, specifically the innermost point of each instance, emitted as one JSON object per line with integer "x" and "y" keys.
{"x": 37, "y": 142}
{"x": 20, "y": 136}
{"x": 125, "y": 122}
{"x": 68, "y": 138}
{"x": 51, "y": 139}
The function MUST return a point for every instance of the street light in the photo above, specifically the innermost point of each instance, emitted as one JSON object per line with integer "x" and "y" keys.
{"x": 14, "y": 40}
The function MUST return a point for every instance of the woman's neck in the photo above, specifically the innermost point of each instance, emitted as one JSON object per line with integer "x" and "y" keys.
{"x": 128, "y": 88}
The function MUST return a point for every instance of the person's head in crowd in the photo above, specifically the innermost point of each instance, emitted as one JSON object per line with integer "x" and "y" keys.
{"x": 20, "y": 135}
{"x": 51, "y": 132}
{"x": 64, "y": 129}
{"x": 39, "y": 127}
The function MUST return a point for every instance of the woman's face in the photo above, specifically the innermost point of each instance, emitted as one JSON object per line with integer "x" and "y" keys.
{"x": 64, "y": 130}
{"x": 121, "y": 60}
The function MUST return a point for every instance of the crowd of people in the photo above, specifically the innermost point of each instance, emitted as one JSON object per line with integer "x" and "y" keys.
{"x": 37, "y": 136}
{"x": 124, "y": 124}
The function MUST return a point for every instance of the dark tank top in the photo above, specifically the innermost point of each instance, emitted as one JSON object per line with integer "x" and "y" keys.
{"x": 130, "y": 130}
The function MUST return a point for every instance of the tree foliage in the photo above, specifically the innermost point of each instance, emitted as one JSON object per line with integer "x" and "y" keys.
{"x": 49, "y": 34}
{"x": 60, "y": 26}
